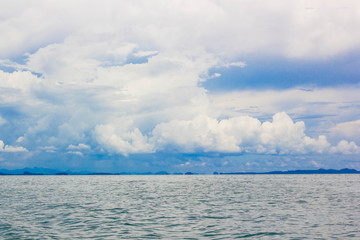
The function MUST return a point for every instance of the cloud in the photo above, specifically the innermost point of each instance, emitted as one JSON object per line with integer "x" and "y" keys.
{"x": 316, "y": 164}
{"x": 88, "y": 77}
{"x": 237, "y": 135}
{"x": 2, "y": 121}
{"x": 186, "y": 164}
{"x": 78, "y": 149}
{"x": 235, "y": 64}
{"x": 18, "y": 83}
{"x": 122, "y": 138}
{"x": 49, "y": 149}
{"x": 11, "y": 149}
{"x": 165, "y": 87}
{"x": 348, "y": 130}
{"x": 321, "y": 108}
{"x": 76, "y": 153}
{"x": 200, "y": 134}
{"x": 242, "y": 134}
{"x": 80, "y": 146}
{"x": 58, "y": 63}
{"x": 145, "y": 53}
{"x": 14, "y": 149}
{"x": 345, "y": 147}
{"x": 234, "y": 28}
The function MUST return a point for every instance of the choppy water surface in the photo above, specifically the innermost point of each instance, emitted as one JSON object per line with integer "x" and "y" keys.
{"x": 180, "y": 207}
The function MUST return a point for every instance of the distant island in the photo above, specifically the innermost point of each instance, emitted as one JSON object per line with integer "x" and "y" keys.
{"x": 318, "y": 171}
{"x": 45, "y": 171}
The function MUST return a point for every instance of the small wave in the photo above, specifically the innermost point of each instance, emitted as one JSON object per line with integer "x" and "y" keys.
{"x": 259, "y": 234}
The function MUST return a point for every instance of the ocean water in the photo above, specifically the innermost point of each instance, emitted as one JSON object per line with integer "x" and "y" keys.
{"x": 180, "y": 207}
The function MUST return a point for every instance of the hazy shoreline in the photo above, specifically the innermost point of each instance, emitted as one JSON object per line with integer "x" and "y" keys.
{"x": 44, "y": 171}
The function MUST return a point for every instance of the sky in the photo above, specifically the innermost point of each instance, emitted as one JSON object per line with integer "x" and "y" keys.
{"x": 178, "y": 86}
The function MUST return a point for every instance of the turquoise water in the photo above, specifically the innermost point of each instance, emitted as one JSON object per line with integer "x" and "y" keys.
{"x": 180, "y": 207}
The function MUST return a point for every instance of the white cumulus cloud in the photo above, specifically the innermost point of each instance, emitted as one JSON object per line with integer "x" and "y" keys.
{"x": 122, "y": 137}
{"x": 238, "y": 134}
{"x": 14, "y": 149}
{"x": 345, "y": 147}
{"x": 136, "y": 88}
{"x": 11, "y": 149}
{"x": 80, "y": 146}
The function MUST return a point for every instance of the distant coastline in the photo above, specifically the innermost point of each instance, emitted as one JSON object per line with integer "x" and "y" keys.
{"x": 318, "y": 171}
{"x": 45, "y": 171}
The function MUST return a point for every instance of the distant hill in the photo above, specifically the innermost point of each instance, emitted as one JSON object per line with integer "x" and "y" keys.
{"x": 46, "y": 171}
{"x": 32, "y": 171}
{"x": 319, "y": 171}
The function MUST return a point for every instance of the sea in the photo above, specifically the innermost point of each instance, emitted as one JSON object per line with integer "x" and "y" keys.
{"x": 325, "y": 206}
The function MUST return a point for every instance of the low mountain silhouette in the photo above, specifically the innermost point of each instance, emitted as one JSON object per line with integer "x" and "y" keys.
{"x": 318, "y": 171}
{"x": 46, "y": 171}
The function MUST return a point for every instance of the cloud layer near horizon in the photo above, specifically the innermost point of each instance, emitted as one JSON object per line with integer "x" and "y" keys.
{"x": 127, "y": 78}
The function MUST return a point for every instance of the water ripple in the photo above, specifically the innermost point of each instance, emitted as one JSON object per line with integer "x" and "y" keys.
{"x": 180, "y": 207}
